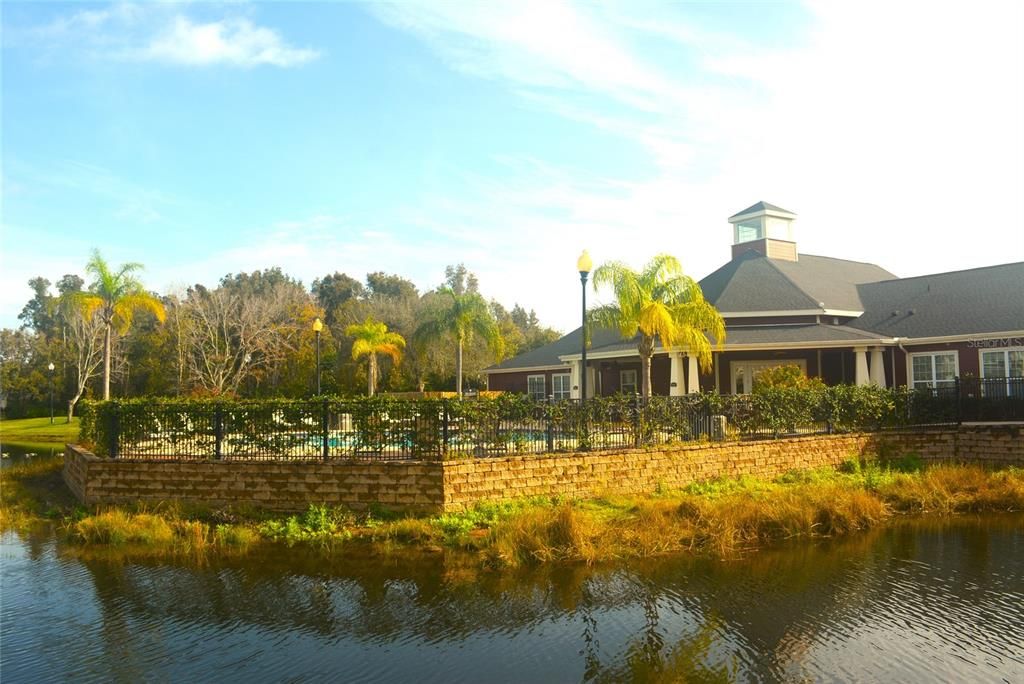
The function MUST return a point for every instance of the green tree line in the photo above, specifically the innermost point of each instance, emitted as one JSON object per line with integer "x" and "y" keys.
{"x": 251, "y": 335}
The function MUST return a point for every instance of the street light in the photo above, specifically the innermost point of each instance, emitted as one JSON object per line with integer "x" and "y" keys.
{"x": 583, "y": 265}
{"x": 51, "y": 392}
{"x": 317, "y": 327}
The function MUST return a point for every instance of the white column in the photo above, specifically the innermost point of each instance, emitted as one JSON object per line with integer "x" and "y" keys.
{"x": 591, "y": 382}
{"x": 877, "y": 367}
{"x": 860, "y": 375}
{"x": 693, "y": 375}
{"x": 574, "y": 379}
{"x": 675, "y": 375}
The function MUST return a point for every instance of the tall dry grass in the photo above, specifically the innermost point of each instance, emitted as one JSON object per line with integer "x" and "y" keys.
{"x": 729, "y": 517}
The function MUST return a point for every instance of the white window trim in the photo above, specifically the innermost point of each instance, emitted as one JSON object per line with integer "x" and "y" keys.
{"x": 1006, "y": 356}
{"x": 636, "y": 379}
{"x": 982, "y": 352}
{"x": 910, "y": 364}
{"x": 568, "y": 384}
{"x": 760, "y": 364}
{"x": 543, "y": 382}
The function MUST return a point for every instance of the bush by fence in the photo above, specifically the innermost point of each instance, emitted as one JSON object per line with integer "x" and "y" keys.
{"x": 392, "y": 428}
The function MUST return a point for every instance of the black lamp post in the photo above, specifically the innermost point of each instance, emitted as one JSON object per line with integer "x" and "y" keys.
{"x": 317, "y": 327}
{"x": 583, "y": 265}
{"x": 51, "y": 392}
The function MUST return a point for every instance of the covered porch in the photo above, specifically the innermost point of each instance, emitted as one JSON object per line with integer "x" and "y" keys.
{"x": 859, "y": 359}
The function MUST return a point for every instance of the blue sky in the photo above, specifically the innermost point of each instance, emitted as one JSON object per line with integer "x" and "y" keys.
{"x": 203, "y": 139}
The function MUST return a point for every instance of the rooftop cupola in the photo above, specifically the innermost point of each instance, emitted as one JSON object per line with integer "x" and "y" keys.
{"x": 766, "y": 229}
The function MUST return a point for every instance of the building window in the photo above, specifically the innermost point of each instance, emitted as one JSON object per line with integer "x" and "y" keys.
{"x": 560, "y": 387}
{"x": 535, "y": 387}
{"x": 749, "y": 230}
{"x": 1003, "y": 363}
{"x": 745, "y": 372}
{"x": 627, "y": 381}
{"x": 938, "y": 370}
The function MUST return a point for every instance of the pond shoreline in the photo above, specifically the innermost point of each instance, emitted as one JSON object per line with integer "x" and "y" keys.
{"x": 724, "y": 518}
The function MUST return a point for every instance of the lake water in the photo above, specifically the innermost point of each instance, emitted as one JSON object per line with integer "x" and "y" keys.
{"x": 13, "y": 452}
{"x": 918, "y": 601}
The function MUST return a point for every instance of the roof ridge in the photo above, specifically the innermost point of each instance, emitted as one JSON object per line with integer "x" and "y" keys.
{"x": 943, "y": 273}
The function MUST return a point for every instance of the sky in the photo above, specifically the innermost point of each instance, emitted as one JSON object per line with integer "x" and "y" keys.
{"x": 204, "y": 139}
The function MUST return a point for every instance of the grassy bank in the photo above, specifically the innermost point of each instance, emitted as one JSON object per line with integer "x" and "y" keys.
{"x": 39, "y": 430}
{"x": 721, "y": 518}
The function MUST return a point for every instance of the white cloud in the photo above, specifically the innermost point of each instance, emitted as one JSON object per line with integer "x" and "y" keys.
{"x": 162, "y": 33}
{"x": 895, "y": 135}
{"x": 236, "y": 42}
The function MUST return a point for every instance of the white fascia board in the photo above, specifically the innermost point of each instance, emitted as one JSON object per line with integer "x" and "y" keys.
{"x": 792, "y": 312}
{"x": 966, "y": 337}
{"x": 524, "y": 369}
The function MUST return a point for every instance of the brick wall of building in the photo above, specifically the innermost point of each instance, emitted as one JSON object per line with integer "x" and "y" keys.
{"x": 456, "y": 484}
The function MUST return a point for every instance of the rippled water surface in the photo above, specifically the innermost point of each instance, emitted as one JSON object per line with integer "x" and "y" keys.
{"x": 921, "y": 601}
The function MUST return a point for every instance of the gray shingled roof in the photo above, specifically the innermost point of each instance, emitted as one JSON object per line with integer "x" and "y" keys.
{"x": 760, "y": 206}
{"x": 978, "y": 300}
{"x": 549, "y": 353}
{"x": 786, "y": 334}
{"x": 753, "y": 282}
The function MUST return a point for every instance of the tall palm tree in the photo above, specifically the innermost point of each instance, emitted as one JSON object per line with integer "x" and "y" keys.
{"x": 659, "y": 302}
{"x": 372, "y": 338}
{"x": 116, "y": 296}
{"x": 465, "y": 316}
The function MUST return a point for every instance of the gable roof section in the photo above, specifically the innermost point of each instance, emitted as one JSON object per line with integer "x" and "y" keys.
{"x": 978, "y": 300}
{"x": 832, "y": 281}
{"x": 753, "y": 282}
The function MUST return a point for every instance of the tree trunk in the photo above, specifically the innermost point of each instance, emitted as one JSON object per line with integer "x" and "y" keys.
{"x": 71, "y": 407}
{"x": 646, "y": 349}
{"x": 372, "y": 375}
{"x": 458, "y": 367}
{"x": 106, "y": 362}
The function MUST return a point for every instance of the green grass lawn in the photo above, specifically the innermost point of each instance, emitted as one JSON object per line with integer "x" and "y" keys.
{"x": 39, "y": 430}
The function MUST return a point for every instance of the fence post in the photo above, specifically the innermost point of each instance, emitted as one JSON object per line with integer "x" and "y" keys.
{"x": 637, "y": 438}
{"x": 218, "y": 432}
{"x": 959, "y": 399}
{"x": 323, "y": 429}
{"x": 549, "y": 427}
{"x": 115, "y": 430}
{"x": 444, "y": 428}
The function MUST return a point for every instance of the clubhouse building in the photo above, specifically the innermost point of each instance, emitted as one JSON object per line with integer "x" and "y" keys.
{"x": 842, "y": 321}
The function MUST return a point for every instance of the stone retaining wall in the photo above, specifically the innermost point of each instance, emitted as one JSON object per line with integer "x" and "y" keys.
{"x": 456, "y": 484}
{"x": 272, "y": 485}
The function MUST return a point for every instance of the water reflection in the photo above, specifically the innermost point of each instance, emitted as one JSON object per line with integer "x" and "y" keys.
{"x": 15, "y": 452}
{"x": 939, "y": 599}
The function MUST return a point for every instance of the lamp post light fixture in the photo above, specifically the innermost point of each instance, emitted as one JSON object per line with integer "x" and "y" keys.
{"x": 51, "y": 391}
{"x": 584, "y": 264}
{"x": 317, "y": 327}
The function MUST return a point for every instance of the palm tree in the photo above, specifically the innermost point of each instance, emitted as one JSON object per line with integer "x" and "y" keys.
{"x": 658, "y": 302}
{"x": 466, "y": 316}
{"x": 116, "y": 297}
{"x": 372, "y": 338}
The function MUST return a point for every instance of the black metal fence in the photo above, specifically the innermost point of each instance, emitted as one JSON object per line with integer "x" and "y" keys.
{"x": 428, "y": 429}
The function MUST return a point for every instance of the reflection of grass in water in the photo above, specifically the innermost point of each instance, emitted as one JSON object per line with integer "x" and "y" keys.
{"x": 32, "y": 492}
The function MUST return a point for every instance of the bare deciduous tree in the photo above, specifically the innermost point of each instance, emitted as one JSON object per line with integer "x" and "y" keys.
{"x": 85, "y": 336}
{"x": 231, "y": 334}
